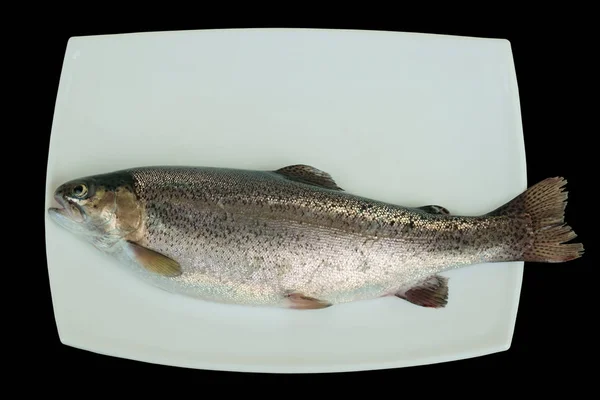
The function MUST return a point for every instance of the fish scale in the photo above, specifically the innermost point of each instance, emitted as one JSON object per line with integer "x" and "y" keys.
{"x": 293, "y": 238}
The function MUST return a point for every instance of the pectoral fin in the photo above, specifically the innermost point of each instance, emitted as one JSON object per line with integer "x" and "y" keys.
{"x": 432, "y": 292}
{"x": 309, "y": 175}
{"x": 153, "y": 261}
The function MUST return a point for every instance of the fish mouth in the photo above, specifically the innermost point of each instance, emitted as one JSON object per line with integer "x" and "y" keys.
{"x": 61, "y": 209}
{"x": 66, "y": 210}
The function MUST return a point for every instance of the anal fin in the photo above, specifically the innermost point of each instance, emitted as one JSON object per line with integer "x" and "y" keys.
{"x": 432, "y": 293}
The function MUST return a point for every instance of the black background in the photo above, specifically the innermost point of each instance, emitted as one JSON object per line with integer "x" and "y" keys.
{"x": 553, "y": 58}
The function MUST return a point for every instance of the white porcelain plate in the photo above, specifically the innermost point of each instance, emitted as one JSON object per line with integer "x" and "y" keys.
{"x": 412, "y": 119}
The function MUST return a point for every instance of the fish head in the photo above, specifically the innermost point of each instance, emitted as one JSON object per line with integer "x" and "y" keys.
{"x": 102, "y": 208}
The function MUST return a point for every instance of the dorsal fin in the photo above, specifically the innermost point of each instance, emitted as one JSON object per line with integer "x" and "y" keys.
{"x": 434, "y": 209}
{"x": 309, "y": 175}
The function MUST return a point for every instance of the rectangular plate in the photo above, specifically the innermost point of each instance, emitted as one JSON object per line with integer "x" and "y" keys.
{"x": 406, "y": 118}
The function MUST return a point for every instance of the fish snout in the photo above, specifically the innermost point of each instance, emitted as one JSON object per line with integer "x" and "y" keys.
{"x": 63, "y": 207}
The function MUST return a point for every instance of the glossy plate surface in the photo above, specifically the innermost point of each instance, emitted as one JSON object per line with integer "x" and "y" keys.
{"x": 407, "y": 118}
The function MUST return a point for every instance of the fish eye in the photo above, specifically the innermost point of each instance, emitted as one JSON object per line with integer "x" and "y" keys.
{"x": 80, "y": 190}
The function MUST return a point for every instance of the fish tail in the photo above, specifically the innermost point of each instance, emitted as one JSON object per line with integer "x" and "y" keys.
{"x": 545, "y": 204}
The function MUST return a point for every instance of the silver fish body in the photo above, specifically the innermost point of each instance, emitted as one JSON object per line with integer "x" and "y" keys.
{"x": 292, "y": 238}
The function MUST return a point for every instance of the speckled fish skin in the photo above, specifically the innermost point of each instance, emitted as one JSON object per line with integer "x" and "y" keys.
{"x": 271, "y": 238}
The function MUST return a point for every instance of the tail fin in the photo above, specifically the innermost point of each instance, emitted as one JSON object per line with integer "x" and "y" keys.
{"x": 545, "y": 204}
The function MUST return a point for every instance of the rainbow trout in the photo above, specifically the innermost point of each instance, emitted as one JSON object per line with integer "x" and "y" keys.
{"x": 293, "y": 238}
